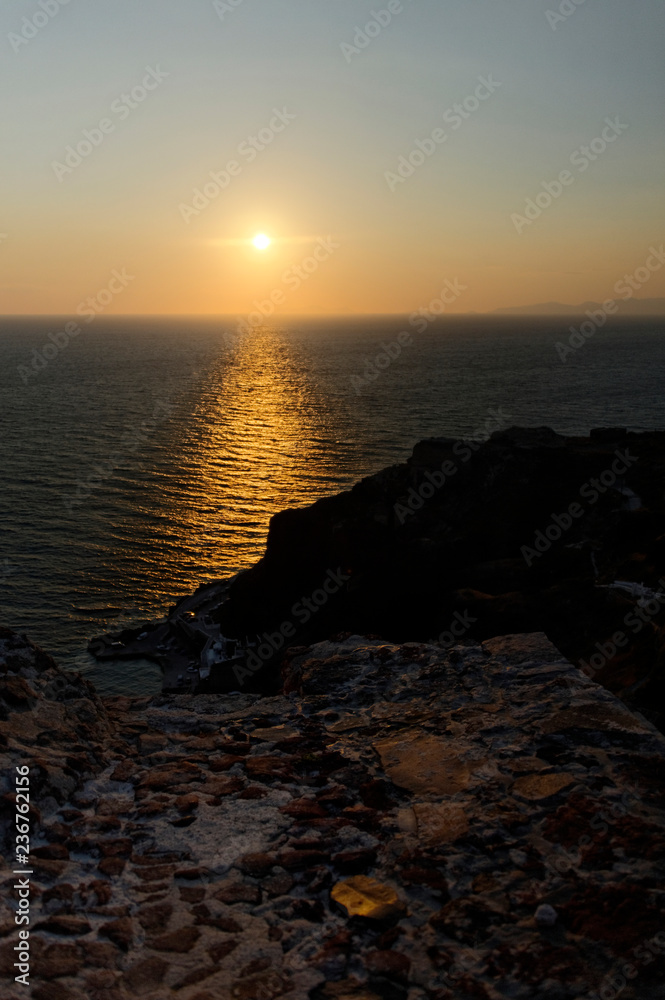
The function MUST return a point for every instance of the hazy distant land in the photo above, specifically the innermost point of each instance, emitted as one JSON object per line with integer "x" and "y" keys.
{"x": 632, "y": 307}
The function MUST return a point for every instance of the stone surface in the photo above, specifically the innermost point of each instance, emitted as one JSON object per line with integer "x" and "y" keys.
{"x": 422, "y": 814}
{"x": 424, "y": 764}
{"x": 366, "y": 897}
{"x": 440, "y": 822}
{"x": 541, "y": 786}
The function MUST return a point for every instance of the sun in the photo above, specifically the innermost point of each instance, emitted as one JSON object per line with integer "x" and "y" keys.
{"x": 261, "y": 241}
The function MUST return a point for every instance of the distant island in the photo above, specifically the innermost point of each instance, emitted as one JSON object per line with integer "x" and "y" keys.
{"x": 632, "y": 307}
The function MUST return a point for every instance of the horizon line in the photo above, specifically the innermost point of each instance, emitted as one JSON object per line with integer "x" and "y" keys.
{"x": 503, "y": 312}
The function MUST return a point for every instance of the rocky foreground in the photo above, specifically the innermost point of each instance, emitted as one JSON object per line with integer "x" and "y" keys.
{"x": 403, "y": 822}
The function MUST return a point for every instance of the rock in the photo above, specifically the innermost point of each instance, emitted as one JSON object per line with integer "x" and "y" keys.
{"x": 63, "y": 892}
{"x": 64, "y": 923}
{"x": 406, "y": 821}
{"x": 156, "y": 859}
{"x": 267, "y": 986}
{"x": 187, "y": 803}
{"x": 303, "y": 809}
{"x": 56, "y": 961}
{"x": 375, "y": 794}
{"x": 121, "y": 932}
{"x": 168, "y": 779}
{"x": 546, "y": 915}
{"x": 156, "y": 873}
{"x": 111, "y": 866}
{"x": 52, "y": 852}
{"x": 223, "y": 786}
{"x": 266, "y": 768}
{"x": 190, "y": 873}
{"x": 125, "y": 771}
{"x": 390, "y": 964}
{"x": 224, "y": 763}
{"x": 354, "y": 862}
{"x": 451, "y": 880}
{"x": 479, "y": 527}
{"x": 350, "y": 989}
{"x": 430, "y": 877}
{"x": 256, "y": 965}
{"x": 301, "y": 860}
{"x": 426, "y": 765}
{"x": 191, "y": 895}
{"x": 196, "y": 976}
{"x": 231, "y": 747}
{"x": 155, "y": 918}
{"x": 238, "y": 892}
{"x": 102, "y": 890}
{"x": 54, "y": 991}
{"x": 366, "y": 897}
{"x": 152, "y": 742}
{"x": 440, "y": 822}
{"x": 257, "y": 865}
{"x": 98, "y": 953}
{"x": 278, "y": 885}
{"x": 535, "y": 787}
{"x": 221, "y": 949}
{"x": 145, "y": 976}
{"x": 180, "y": 941}
{"x": 253, "y": 792}
{"x": 226, "y": 924}
{"x": 118, "y": 847}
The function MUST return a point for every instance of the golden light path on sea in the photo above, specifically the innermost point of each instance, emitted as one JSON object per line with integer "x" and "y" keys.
{"x": 256, "y": 444}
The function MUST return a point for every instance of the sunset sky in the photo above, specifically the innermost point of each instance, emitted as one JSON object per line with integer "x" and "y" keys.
{"x": 210, "y": 77}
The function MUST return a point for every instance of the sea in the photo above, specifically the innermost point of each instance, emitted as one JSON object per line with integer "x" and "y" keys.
{"x": 146, "y": 456}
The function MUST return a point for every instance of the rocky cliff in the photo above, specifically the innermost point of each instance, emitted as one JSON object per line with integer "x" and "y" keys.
{"x": 526, "y": 531}
{"x": 403, "y": 822}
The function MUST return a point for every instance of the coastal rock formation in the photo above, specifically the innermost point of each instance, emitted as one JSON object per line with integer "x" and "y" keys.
{"x": 403, "y": 822}
{"x": 527, "y": 531}
{"x": 49, "y": 719}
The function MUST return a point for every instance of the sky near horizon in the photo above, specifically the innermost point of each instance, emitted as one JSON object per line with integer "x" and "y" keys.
{"x": 313, "y": 132}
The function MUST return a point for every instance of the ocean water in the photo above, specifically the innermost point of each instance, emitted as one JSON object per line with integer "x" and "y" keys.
{"x": 147, "y": 456}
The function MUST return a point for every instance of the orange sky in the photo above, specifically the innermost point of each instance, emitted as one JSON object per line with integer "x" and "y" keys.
{"x": 418, "y": 155}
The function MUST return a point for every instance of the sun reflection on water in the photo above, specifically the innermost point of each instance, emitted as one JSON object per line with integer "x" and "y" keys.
{"x": 251, "y": 449}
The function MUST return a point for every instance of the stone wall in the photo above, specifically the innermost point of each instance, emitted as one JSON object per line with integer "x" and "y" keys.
{"x": 403, "y": 823}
